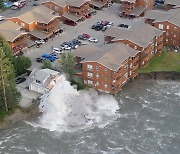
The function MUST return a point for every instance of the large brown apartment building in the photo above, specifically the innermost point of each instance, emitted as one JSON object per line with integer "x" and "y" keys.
{"x": 107, "y": 68}
{"x": 71, "y": 11}
{"x": 135, "y": 8}
{"x": 144, "y": 38}
{"x": 16, "y": 38}
{"x": 169, "y": 22}
{"x": 39, "y": 22}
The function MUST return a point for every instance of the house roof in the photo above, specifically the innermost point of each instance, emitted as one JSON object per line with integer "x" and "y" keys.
{"x": 10, "y": 30}
{"x": 109, "y": 55}
{"x": 141, "y": 35}
{"x": 38, "y": 34}
{"x": 173, "y": 2}
{"x": 40, "y": 14}
{"x": 43, "y": 74}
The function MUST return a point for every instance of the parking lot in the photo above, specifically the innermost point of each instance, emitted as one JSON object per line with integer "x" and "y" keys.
{"x": 70, "y": 33}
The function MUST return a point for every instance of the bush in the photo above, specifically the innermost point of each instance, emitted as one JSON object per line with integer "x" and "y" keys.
{"x": 46, "y": 64}
{"x": 80, "y": 86}
{"x": 21, "y": 64}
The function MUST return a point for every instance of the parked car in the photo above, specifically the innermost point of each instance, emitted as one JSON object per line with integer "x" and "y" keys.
{"x": 104, "y": 28}
{"x": 1, "y": 18}
{"x": 81, "y": 37}
{"x": 74, "y": 45}
{"x": 39, "y": 41}
{"x": 57, "y": 50}
{"x": 40, "y": 59}
{"x": 93, "y": 27}
{"x": 65, "y": 47}
{"x": 99, "y": 27}
{"x": 20, "y": 80}
{"x": 120, "y": 25}
{"x": 92, "y": 40}
{"x": 48, "y": 57}
{"x": 76, "y": 41}
{"x": 86, "y": 35}
{"x": 54, "y": 55}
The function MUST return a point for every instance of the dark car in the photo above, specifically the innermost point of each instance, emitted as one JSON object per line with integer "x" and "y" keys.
{"x": 20, "y": 80}
{"x": 126, "y": 26}
{"x": 93, "y": 27}
{"x": 121, "y": 25}
{"x": 104, "y": 28}
{"x": 39, "y": 59}
{"x": 77, "y": 42}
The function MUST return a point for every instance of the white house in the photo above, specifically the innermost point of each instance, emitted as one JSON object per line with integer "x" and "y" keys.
{"x": 42, "y": 81}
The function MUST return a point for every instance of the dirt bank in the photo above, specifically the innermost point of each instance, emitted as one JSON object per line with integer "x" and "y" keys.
{"x": 160, "y": 75}
{"x": 19, "y": 115}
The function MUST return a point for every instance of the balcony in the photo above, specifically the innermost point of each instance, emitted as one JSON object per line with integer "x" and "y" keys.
{"x": 116, "y": 82}
{"x": 47, "y": 26}
{"x": 23, "y": 40}
{"x": 78, "y": 10}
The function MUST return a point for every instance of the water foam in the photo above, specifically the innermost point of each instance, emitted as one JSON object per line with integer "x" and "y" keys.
{"x": 66, "y": 109}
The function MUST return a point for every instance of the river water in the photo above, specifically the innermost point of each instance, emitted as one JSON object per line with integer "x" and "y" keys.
{"x": 145, "y": 119}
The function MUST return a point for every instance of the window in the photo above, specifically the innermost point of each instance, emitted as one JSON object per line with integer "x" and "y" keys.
{"x": 167, "y": 34}
{"x": 160, "y": 26}
{"x": 90, "y": 82}
{"x": 175, "y": 27}
{"x": 105, "y": 78}
{"x": 97, "y": 84}
{"x": 130, "y": 72}
{"x": 125, "y": 67}
{"x": 105, "y": 69}
{"x": 85, "y": 82}
{"x": 143, "y": 63}
{"x": 135, "y": 47}
{"x": 22, "y": 24}
{"x": 131, "y": 65}
{"x": 174, "y": 35}
{"x": 167, "y": 27}
{"x": 37, "y": 81}
{"x": 126, "y": 75}
{"x": 166, "y": 40}
{"x": 97, "y": 76}
{"x": 174, "y": 42}
{"x": 152, "y": 52}
{"x": 89, "y": 75}
{"x": 105, "y": 86}
{"x": 97, "y": 68}
{"x": 89, "y": 67}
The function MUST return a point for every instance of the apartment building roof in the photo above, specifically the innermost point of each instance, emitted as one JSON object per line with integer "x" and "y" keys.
{"x": 173, "y": 2}
{"x": 10, "y": 30}
{"x": 141, "y": 35}
{"x": 38, "y": 14}
{"x": 61, "y": 3}
{"x": 110, "y": 55}
{"x": 76, "y": 3}
{"x": 172, "y": 16}
{"x": 131, "y": 1}
{"x": 96, "y": 3}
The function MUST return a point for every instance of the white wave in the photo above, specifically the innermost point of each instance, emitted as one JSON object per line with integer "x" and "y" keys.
{"x": 66, "y": 109}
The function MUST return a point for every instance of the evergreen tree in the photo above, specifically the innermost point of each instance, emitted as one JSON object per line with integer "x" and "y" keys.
{"x": 9, "y": 95}
{"x": 67, "y": 63}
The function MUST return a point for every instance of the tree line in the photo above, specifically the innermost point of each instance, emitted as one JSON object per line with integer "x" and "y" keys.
{"x": 10, "y": 67}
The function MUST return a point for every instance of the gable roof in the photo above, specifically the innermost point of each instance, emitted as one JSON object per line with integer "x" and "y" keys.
{"x": 109, "y": 55}
{"x": 172, "y": 16}
{"x": 141, "y": 35}
{"x": 173, "y": 2}
{"x": 10, "y": 30}
{"x": 40, "y": 14}
{"x": 76, "y": 3}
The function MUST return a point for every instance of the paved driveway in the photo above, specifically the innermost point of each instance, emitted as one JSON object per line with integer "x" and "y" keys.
{"x": 70, "y": 32}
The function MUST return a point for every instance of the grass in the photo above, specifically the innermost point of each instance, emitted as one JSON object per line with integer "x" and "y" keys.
{"x": 168, "y": 61}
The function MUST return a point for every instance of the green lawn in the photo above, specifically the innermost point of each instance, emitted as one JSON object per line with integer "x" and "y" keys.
{"x": 168, "y": 61}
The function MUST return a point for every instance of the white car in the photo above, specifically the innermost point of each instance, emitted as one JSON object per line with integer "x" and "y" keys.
{"x": 39, "y": 41}
{"x": 1, "y": 18}
{"x": 66, "y": 47}
{"x": 57, "y": 50}
{"x": 92, "y": 40}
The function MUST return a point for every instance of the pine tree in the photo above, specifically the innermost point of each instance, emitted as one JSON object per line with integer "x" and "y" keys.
{"x": 8, "y": 92}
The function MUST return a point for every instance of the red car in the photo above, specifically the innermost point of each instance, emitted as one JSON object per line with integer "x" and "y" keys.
{"x": 104, "y": 23}
{"x": 88, "y": 16}
{"x": 86, "y": 35}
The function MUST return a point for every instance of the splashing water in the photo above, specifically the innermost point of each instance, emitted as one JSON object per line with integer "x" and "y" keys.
{"x": 66, "y": 109}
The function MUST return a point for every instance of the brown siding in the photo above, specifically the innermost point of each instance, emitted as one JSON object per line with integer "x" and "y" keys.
{"x": 171, "y": 35}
